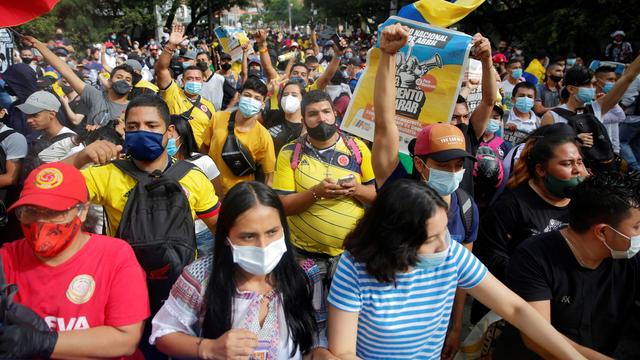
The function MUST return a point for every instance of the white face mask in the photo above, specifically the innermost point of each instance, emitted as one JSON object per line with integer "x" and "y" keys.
{"x": 257, "y": 260}
{"x": 290, "y": 104}
{"x": 634, "y": 246}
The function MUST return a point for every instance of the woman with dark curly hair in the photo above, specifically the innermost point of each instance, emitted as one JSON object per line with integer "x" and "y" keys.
{"x": 392, "y": 294}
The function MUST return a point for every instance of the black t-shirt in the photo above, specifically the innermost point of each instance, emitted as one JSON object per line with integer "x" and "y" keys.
{"x": 588, "y": 306}
{"x": 472, "y": 144}
{"x": 517, "y": 215}
{"x": 281, "y": 130}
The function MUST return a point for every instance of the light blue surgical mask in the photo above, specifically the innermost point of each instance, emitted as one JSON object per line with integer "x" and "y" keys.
{"x": 586, "y": 94}
{"x": 524, "y": 104}
{"x": 186, "y": 64}
{"x": 249, "y": 107}
{"x": 571, "y": 62}
{"x": 172, "y": 147}
{"x": 433, "y": 260}
{"x": 193, "y": 87}
{"x": 517, "y": 73}
{"x": 607, "y": 87}
{"x": 493, "y": 126}
{"x": 444, "y": 182}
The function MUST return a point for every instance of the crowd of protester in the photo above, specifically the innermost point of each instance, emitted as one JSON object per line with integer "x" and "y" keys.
{"x": 163, "y": 199}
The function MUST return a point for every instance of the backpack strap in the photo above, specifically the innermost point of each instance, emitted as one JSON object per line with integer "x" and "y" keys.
{"x": 297, "y": 152}
{"x": 129, "y": 168}
{"x": 6, "y": 134}
{"x": 353, "y": 147}
{"x": 565, "y": 113}
{"x": 465, "y": 206}
{"x": 178, "y": 170}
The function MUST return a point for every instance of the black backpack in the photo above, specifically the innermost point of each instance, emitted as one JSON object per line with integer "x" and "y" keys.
{"x": 158, "y": 225}
{"x": 36, "y": 146}
{"x": 586, "y": 122}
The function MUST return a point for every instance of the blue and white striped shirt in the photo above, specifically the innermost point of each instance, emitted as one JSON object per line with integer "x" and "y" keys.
{"x": 409, "y": 320}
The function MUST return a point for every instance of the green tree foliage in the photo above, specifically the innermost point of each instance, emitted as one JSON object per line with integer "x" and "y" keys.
{"x": 277, "y": 12}
{"x": 581, "y": 26}
{"x": 90, "y": 21}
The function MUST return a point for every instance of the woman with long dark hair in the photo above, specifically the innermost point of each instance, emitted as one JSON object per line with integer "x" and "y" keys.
{"x": 252, "y": 299}
{"x": 182, "y": 146}
{"x": 392, "y": 294}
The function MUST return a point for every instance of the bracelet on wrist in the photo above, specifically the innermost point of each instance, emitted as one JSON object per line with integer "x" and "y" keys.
{"x": 262, "y": 50}
{"x": 339, "y": 57}
{"x": 313, "y": 192}
{"x": 198, "y": 348}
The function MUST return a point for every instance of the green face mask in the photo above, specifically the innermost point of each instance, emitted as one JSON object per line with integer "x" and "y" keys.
{"x": 561, "y": 188}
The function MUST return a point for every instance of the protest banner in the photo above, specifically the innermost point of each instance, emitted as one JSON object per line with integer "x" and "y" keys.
{"x": 6, "y": 49}
{"x": 231, "y": 40}
{"x": 428, "y": 76}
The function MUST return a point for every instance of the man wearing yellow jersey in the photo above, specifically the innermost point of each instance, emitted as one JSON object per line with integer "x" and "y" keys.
{"x": 248, "y": 132}
{"x": 187, "y": 100}
{"x": 147, "y": 133}
{"x": 324, "y": 179}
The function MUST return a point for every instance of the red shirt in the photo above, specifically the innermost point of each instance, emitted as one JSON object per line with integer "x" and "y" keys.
{"x": 102, "y": 284}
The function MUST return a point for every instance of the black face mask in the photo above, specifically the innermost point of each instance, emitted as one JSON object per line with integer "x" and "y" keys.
{"x": 121, "y": 87}
{"x": 225, "y": 66}
{"x": 322, "y": 132}
{"x": 27, "y": 60}
{"x": 66, "y": 89}
{"x": 9, "y": 91}
{"x": 555, "y": 78}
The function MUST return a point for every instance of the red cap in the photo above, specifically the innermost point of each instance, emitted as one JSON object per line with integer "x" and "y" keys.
{"x": 108, "y": 44}
{"x": 442, "y": 142}
{"x": 499, "y": 58}
{"x": 56, "y": 186}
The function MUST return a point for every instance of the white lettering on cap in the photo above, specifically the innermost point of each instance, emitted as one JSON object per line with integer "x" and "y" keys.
{"x": 451, "y": 140}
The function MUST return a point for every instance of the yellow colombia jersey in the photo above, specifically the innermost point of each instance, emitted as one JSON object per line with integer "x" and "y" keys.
{"x": 179, "y": 103}
{"x": 324, "y": 225}
{"x": 257, "y": 141}
{"x": 109, "y": 186}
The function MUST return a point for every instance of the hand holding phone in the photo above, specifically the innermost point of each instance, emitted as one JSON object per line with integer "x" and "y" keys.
{"x": 346, "y": 180}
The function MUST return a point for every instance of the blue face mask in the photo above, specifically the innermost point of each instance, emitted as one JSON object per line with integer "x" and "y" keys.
{"x": 586, "y": 95}
{"x": 494, "y": 126}
{"x": 571, "y": 61}
{"x": 109, "y": 51}
{"x": 523, "y": 104}
{"x": 172, "y": 147}
{"x": 193, "y": 87}
{"x": 607, "y": 87}
{"x": 143, "y": 145}
{"x": 185, "y": 65}
{"x": 444, "y": 182}
{"x": 432, "y": 261}
{"x": 517, "y": 73}
{"x": 249, "y": 107}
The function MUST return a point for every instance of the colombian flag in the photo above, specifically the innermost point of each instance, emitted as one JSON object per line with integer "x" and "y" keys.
{"x": 14, "y": 13}
{"x": 439, "y": 12}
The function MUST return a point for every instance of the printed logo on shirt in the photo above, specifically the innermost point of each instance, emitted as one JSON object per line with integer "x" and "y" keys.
{"x": 566, "y": 299}
{"x": 59, "y": 324}
{"x": 343, "y": 160}
{"x": 49, "y": 178}
{"x": 81, "y": 289}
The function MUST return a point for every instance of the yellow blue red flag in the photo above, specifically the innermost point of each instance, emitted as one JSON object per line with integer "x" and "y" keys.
{"x": 439, "y": 12}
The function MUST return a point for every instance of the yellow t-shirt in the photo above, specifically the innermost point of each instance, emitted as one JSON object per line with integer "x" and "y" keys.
{"x": 257, "y": 141}
{"x": 109, "y": 186}
{"x": 179, "y": 103}
{"x": 324, "y": 225}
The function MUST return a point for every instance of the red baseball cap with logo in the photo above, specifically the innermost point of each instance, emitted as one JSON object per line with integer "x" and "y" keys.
{"x": 56, "y": 186}
{"x": 442, "y": 142}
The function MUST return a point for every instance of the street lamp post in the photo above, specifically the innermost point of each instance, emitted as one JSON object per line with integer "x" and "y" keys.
{"x": 290, "y": 6}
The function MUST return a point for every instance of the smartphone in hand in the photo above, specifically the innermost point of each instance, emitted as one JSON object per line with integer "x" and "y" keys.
{"x": 346, "y": 179}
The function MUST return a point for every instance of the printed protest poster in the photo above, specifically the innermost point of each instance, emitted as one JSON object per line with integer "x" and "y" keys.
{"x": 428, "y": 76}
{"x": 6, "y": 49}
{"x": 231, "y": 40}
{"x": 472, "y": 89}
